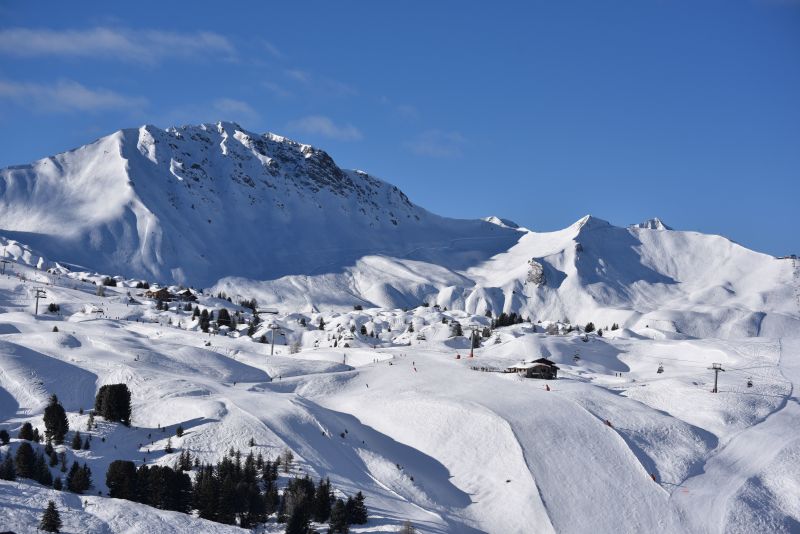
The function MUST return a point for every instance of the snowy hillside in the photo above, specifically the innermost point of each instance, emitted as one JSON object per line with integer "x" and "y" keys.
{"x": 260, "y": 216}
{"x": 389, "y": 402}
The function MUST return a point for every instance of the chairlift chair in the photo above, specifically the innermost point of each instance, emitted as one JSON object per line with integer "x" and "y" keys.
{"x": 749, "y": 382}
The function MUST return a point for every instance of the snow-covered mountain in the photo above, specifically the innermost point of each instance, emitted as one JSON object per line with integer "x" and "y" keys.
{"x": 262, "y": 216}
{"x": 197, "y": 203}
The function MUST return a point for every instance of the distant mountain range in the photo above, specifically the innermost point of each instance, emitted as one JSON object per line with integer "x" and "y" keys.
{"x": 263, "y": 216}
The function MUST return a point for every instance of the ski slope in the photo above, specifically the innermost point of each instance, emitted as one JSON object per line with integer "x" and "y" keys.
{"x": 426, "y": 435}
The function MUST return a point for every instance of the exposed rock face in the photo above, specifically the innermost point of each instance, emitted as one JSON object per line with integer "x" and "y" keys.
{"x": 536, "y": 273}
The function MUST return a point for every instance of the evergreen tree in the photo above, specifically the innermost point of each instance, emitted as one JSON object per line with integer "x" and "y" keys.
{"x": 24, "y": 460}
{"x": 53, "y": 459}
{"x": 86, "y": 444}
{"x": 321, "y": 324}
{"x": 226, "y": 506}
{"x": 121, "y": 480}
{"x": 77, "y": 441}
{"x": 113, "y": 402}
{"x": 338, "y": 523}
{"x": 79, "y": 478}
{"x": 7, "y": 469}
{"x": 41, "y": 473}
{"x": 204, "y": 493}
{"x": 456, "y": 330}
{"x": 4, "y": 437}
{"x": 299, "y": 521}
{"x": 26, "y": 432}
{"x": 589, "y": 327}
{"x": 223, "y": 317}
{"x": 322, "y": 501}
{"x": 358, "y": 511}
{"x": 36, "y": 436}
{"x": 57, "y": 484}
{"x": 51, "y": 520}
{"x": 363, "y": 330}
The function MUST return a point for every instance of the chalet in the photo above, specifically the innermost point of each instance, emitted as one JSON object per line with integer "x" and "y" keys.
{"x": 541, "y": 368}
{"x": 159, "y": 294}
{"x": 187, "y": 296}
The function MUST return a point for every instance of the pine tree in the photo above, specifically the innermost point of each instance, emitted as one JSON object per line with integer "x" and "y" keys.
{"x": 338, "y": 522}
{"x": 113, "y": 402}
{"x": 24, "y": 460}
{"x": 57, "y": 484}
{"x": 41, "y": 473}
{"x": 77, "y": 441}
{"x": 589, "y": 327}
{"x": 226, "y": 507}
{"x": 26, "y": 432}
{"x": 51, "y": 520}
{"x": 358, "y": 511}
{"x": 4, "y": 437}
{"x": 79, "y": 478}
{"x": 322, "y": 501}
{"x": 299, "y": 521}
{"x": 121, "y": 480}
{"x": 223, "y": 317}
{"x": 86, "y": 444}
{"x": 7, "y": 469}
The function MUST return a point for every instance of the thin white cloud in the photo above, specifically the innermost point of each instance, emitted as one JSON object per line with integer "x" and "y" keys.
{"x": 142, "y": 46}
{"x": 324, "y": 126}
{"x": 236, "y": 110}
{"x": 298, "y": 75}
{"x": 321, "y": 83}
{"x": 277, "y": 89}
{"x": 66, "y": 96}
{"x": 437, "y": 144}
{"x": 273, "y": 50}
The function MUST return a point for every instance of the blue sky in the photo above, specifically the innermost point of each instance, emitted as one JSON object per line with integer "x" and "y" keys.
{"x": 540, "y": 112}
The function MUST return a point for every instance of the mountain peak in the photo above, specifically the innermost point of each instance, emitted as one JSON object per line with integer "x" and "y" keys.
{"x": 652, "y": 224}
{"x": 590, "y": 222}
{"x": 499, "y": 221}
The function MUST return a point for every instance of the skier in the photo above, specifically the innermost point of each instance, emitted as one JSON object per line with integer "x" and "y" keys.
{"x": 546, "y": 387}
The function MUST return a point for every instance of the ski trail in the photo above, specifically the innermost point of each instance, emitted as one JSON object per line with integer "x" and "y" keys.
{"x": 706, "y": 499}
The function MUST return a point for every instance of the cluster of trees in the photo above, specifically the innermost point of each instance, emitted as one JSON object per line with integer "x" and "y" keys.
{"x": 506, "y": 319}
{"x": 108, "y": 281}
{"x": 53, "y": 307}
{"x": 113, "y": 402}
{"x": 237, "y": 492}
{"x": 158, "y": 486}
{"x": 35, "y": 464}
{"x": 142, "y": 285}
{"x": 249, "y": 303}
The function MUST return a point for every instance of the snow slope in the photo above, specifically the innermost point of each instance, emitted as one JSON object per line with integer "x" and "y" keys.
{"x": 449, "y": 443}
